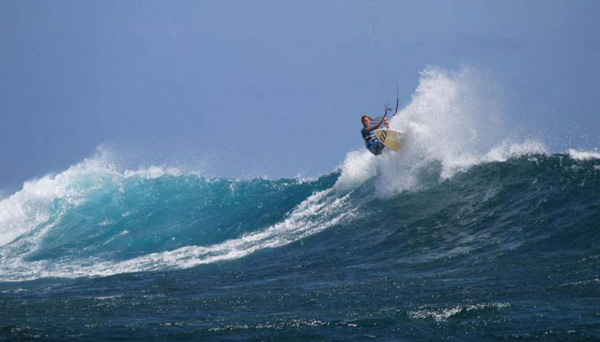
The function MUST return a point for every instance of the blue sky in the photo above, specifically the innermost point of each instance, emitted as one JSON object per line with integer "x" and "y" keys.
{"x": 274, "y": 88}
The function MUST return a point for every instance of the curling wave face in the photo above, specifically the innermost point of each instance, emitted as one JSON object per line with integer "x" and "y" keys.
{"x": 93, "y": 220}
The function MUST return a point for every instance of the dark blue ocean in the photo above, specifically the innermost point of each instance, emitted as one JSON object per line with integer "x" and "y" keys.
{"x": 503, "y": 250}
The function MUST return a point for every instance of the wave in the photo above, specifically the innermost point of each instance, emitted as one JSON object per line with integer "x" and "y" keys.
{"x": 477, "y": 192}
{"x": 94, "y": 220}
{"x": 103, "y": 222}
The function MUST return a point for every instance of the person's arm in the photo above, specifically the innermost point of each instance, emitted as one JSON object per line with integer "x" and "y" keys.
{"x": 372, "y": 128}
{"x": 376, "y": 126}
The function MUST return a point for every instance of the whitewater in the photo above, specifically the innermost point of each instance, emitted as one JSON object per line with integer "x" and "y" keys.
{"x": 471, "y": 233}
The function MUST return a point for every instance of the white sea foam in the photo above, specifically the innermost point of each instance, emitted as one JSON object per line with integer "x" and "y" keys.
{"x": 357, "y": 168}
{"x": 452, "y": 123}
{"x": 445, "y": 313}
{"x": 32, "y": 206}
{"x": 506, "y": 150}
{"x": 583, "y": 155}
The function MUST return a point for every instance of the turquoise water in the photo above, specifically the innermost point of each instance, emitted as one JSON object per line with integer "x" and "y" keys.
{"x": 500, "y": 250}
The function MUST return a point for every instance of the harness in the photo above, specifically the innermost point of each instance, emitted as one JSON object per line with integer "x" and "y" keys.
{"x": 369, "y": 138}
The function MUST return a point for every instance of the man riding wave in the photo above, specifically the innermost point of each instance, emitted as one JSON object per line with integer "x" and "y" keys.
{"x": 371, "y": 142}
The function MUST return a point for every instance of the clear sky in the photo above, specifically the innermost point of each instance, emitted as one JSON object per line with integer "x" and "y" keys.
{"x": 275, "y": 88}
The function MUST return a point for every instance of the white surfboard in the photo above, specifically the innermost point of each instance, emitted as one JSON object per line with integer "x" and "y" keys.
{"x": 390, "y": 138}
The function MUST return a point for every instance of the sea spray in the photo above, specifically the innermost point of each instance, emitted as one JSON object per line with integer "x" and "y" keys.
{"x": 452, "y": 122}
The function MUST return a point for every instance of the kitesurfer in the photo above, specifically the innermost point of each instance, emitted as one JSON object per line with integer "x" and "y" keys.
{"x": 371, "y": 142}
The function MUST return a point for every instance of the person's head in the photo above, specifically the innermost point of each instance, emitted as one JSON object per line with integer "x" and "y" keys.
{"x": 365, "y": 120}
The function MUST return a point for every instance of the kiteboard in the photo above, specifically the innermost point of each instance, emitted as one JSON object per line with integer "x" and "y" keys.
{"x": 390, "y": 138}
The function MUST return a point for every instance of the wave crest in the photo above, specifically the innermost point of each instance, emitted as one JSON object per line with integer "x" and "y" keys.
{"x": 453, "y": 122}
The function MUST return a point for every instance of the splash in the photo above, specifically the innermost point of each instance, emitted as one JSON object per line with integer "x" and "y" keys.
{"x": 453, "y": 122}
{"x": 583, "y": 155}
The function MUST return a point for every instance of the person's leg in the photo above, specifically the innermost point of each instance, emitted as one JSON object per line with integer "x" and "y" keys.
{"x": 379, "y": 148}
{"x": 372, "y": 147}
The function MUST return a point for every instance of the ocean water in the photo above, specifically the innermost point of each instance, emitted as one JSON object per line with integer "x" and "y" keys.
{"x": 467, "y": 235}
